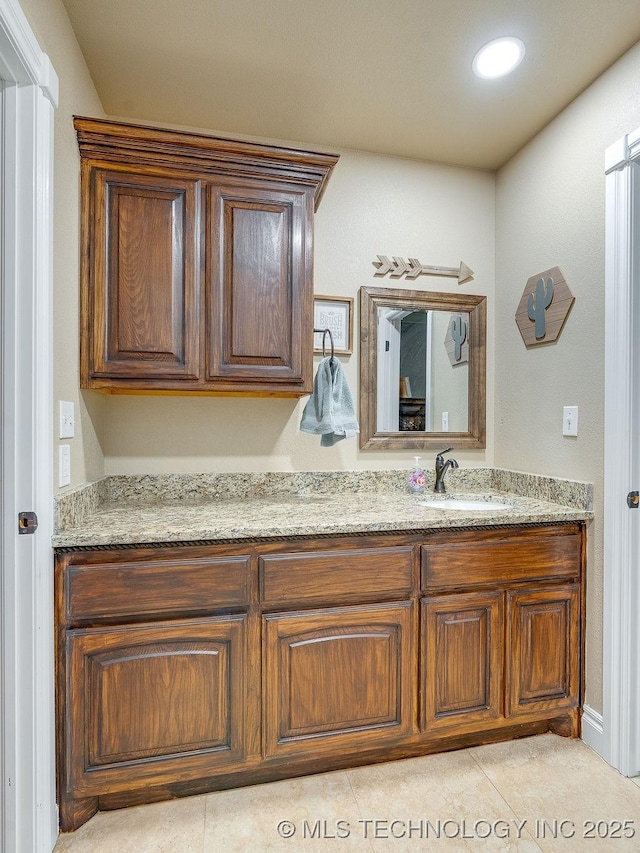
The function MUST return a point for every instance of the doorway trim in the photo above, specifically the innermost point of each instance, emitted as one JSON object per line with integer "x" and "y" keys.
{"x": 28, "y": 97}
{"x": 621, "y": 637}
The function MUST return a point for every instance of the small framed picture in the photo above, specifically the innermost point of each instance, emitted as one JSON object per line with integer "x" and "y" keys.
{"x": 336, "y": 314}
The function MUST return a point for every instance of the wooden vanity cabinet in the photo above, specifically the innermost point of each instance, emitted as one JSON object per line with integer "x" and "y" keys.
{"x": 196, "y": 263}
{"x": 153, "y": 671}
{"x": 462, "y": 654}
{"x": 187, "y": 668}
{"x": 155, "y": 702}
{"x": 543, "y": 636}
{"x": 501, "y": 639}
{"x": 337, "y": 679}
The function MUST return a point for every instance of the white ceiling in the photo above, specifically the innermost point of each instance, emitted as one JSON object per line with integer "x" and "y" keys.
{"x": 388, "y": 76}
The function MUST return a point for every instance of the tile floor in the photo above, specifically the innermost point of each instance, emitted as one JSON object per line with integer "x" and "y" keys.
{"x": 540, "y": 793}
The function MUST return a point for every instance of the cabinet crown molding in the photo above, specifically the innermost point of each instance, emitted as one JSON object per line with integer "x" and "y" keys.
{"x": 126, "y": 143}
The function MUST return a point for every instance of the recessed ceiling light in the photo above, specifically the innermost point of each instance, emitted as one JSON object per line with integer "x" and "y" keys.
{"x": 499, "y": 57}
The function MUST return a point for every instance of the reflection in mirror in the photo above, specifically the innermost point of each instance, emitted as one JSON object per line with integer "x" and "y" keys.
{"x": 422, "y": 369}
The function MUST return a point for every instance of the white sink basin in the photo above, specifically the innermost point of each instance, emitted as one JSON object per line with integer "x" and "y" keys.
{"x": 465, "y": 505}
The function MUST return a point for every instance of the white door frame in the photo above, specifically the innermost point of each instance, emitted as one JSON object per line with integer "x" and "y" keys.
{"x": 428, "y": 382}
{"x": 621, "y": 659}
{"x": 28, "y": 96}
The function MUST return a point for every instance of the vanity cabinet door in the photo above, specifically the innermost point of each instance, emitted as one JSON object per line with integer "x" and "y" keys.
{"x": 543, "y": 644}
{"x": 335, "y": 679}
{"x": 461, "y": 669}
{"x": 259, "y": 286}
{"x": 148, "y": 704}
{"x": 140, "y": 279}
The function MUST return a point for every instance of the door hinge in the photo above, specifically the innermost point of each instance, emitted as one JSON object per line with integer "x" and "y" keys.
{"x": 27, "y": 522}
{"x": 633, "y": 499}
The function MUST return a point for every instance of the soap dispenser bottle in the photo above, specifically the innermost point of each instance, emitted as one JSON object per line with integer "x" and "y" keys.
{"x": 417, "y": 479}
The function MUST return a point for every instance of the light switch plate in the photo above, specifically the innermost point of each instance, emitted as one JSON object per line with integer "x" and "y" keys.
{"x": 570, "y": 420}
{"x": 67, "y": 420}
{"x": 445, "y": 422}
{"x": 64, "y": 465}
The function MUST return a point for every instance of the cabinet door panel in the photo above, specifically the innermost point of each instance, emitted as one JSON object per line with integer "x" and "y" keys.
{"x": 151, "y": 701}
{"x": 543, "y": 633}
{"x": 143, "y": 294}
{"x": 462, "y": 660}
{"x": 260, "y": 312}
{"x": 338, "y": 677}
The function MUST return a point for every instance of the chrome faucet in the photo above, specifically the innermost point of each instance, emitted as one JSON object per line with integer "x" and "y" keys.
{"x": 441, "y": 469}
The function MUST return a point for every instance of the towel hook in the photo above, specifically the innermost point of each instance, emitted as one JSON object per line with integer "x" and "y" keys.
{"x": 326, "y": 332}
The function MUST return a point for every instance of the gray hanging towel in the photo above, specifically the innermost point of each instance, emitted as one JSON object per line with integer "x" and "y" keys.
{"x": 329, "y": 411}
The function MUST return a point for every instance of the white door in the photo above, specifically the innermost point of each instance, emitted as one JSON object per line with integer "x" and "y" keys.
{"x": 28, "y": 92}
{"x": 621, "y": 637}
{"x": 388, "y": 378}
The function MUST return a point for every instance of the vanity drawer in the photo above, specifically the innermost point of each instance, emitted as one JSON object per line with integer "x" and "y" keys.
{"x": 155, "y": 587}
{"x": 341, "y": 575}
{"x": 500, "y": 562}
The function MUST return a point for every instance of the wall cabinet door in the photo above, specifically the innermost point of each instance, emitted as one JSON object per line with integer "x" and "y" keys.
{"x": 337, "y": 678}
{"x": 140, "y": 300}
{"x": 259, "y": 285}
{"x": 149, "y": 704}
{"x": 543, "y": 645}
{"x": 461, "y": 671}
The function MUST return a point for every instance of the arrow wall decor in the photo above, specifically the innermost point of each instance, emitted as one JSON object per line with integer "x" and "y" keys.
{"x": 412, "y": 268}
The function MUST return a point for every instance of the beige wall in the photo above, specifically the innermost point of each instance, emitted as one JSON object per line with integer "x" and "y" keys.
{"x": 550, "y": 211}
{"x": 372, "y": 205}
{"x": 450, "y": 381}
{"x": 51, "y": 26}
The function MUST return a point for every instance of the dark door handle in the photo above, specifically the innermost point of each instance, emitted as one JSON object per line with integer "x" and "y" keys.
{"x": 27, "y": 522}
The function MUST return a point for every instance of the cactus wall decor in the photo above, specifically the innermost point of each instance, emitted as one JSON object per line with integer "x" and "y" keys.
{"x": 456, "y": 340}
{"x": 537, "y": 308}
{"x": 544, "y": 307}
{"x": 459, "y": 335}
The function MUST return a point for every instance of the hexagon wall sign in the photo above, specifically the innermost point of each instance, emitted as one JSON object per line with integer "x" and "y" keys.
{"x": 544, "y": 307}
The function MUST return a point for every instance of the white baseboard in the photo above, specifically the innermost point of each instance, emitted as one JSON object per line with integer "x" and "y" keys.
{"x": 593, "y": 730}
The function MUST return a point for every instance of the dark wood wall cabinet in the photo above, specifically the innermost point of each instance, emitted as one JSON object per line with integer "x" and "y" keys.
{"x": 190, "y": 668}
{"x": 197, "y": 262}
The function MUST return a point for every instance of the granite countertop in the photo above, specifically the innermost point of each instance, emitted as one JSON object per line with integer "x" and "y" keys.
{"x": 181, "y": 508}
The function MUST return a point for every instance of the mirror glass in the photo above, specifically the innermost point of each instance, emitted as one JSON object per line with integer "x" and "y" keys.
{"x": 422, "y": 369}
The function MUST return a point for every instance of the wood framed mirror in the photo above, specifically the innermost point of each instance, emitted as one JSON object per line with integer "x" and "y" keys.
{"x": 422, "y": 369}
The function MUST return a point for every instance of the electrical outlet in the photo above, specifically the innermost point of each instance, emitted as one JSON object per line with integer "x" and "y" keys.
{"x": 67, "y": 420}
{"x": 445, "y": 422}
{"x": 64, "y": 465}
{"x": 570, "y": 420}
